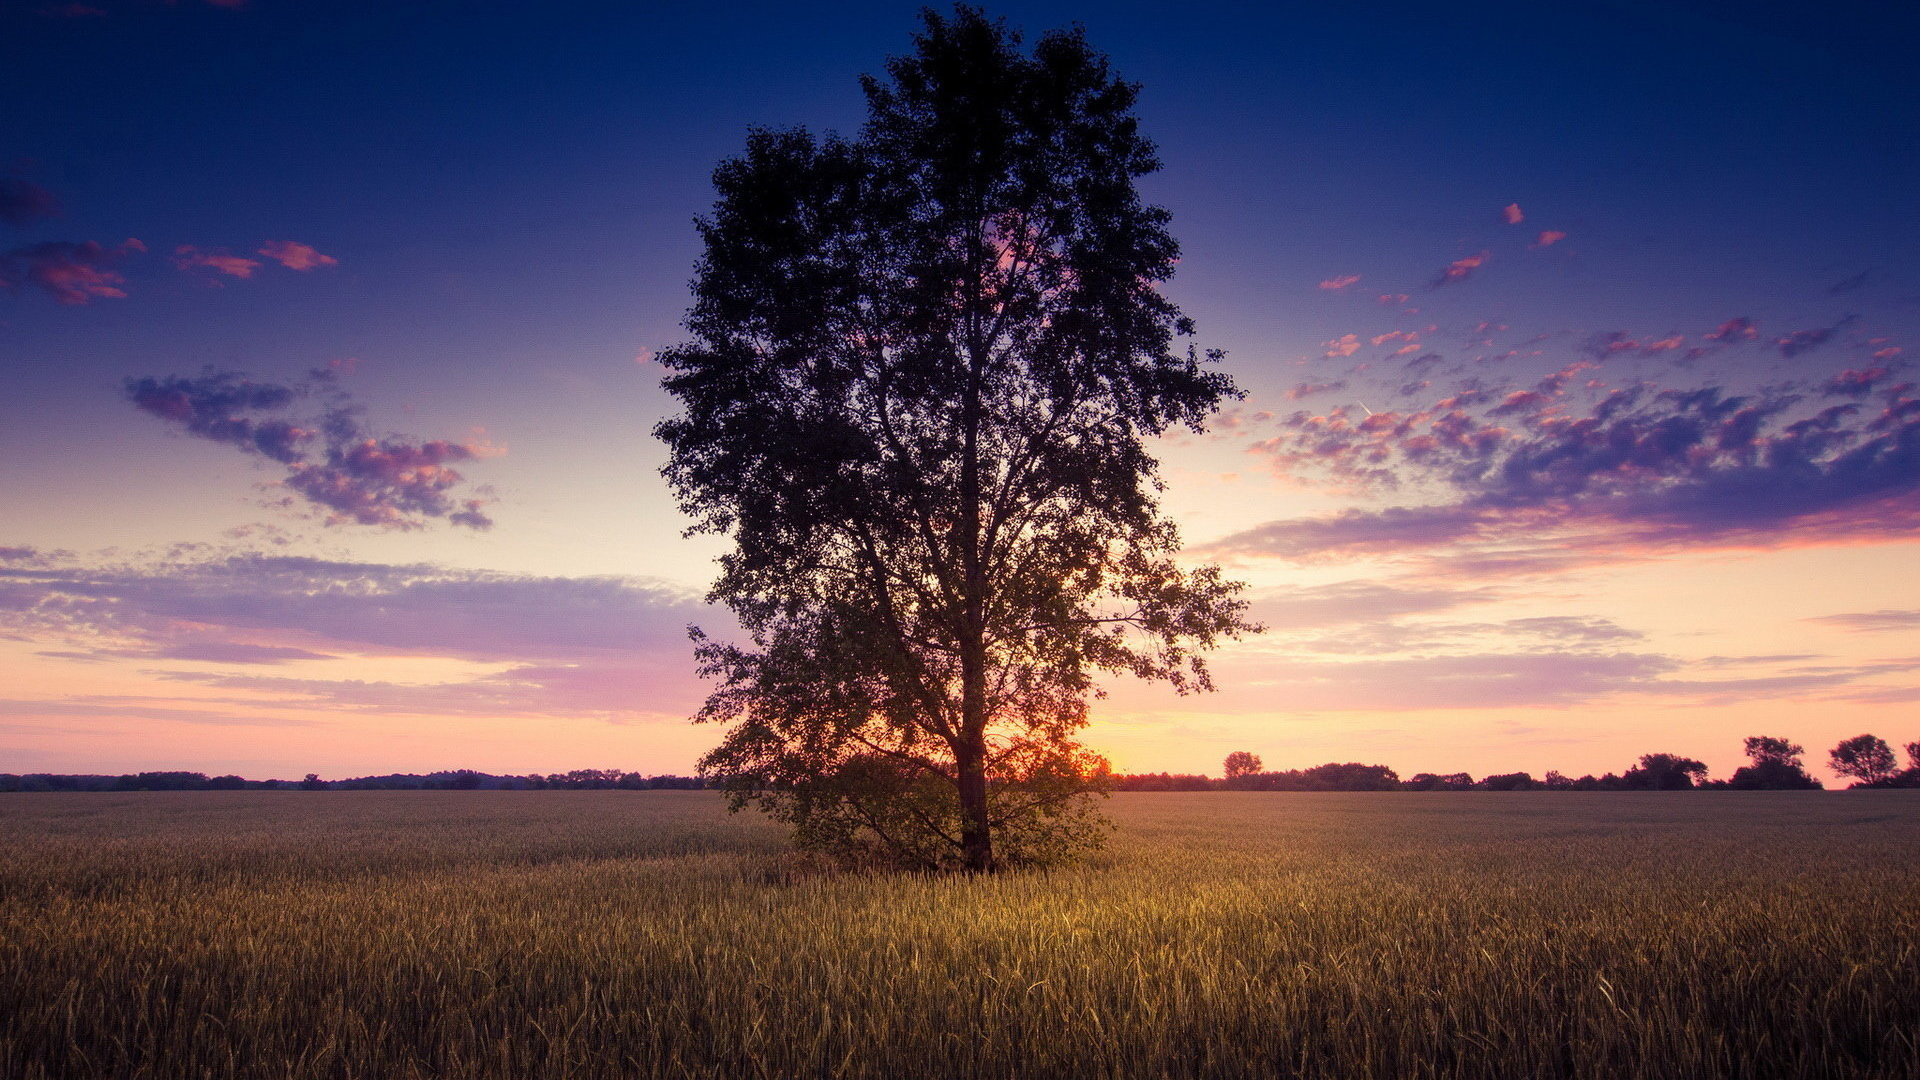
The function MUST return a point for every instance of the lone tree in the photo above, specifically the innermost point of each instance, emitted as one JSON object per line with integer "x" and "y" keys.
{"x": 1866, "y": 758}
{"x": 1776, "y": 766}
{"x": 924, "y": 369}
{"x": 1241, "y": 763}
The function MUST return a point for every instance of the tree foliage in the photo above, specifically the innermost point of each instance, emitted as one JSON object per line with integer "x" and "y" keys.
{"x": 1776, "y": 766}
{"x": 924, "y": 367}
{"x": 1866, "y": 758}
{"x": 1240, "y": 763}
{"x": 1665, "y": 772}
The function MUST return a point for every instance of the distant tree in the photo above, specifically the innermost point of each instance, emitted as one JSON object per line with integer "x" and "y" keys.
{"x": 1517, "y": 781}
{"x": 1353, "y": 776}
{"x": 1664, "y": 772}
{"x": 1866, "y": 758}
{"x": 313, "y": 783}
{"x": 1427, "y": 781}
{"x": 1910, "y": 776}
{"x": 1776, "y": 767}
{"x": 1558, "y": 781}
{"x": 1768, "y": 750}
{"x": 927, "y": 369}
{"x": 1164, "y": 782}
{"x": 226, "y": 783}
{"x": 1241, "y": 763}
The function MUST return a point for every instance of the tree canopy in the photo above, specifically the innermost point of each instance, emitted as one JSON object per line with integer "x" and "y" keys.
{"x": 1866, "y": 758}
{"x": 924, "y": 367}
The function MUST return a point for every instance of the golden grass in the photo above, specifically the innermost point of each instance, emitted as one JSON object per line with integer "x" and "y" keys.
{"x": 640, "y": 934}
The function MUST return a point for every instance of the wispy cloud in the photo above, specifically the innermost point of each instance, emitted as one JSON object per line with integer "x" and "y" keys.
{"x": 188, "y": 257}
{"x": 1739, "y": 328}
{"x": 1461, "y": 269}
{"x": 1512, "y": 214}
{"x": 1336, "y": 283}
{"x": 1547, "y": 238}
{"x": 72, "y": 272}
{"x": 611, "y": 647}
{"x": 1801, "y": 341}
{"x": 1618, "y": 474}
{"x": 1344, "y": 345}
{"x": 296, "y": 256}
{"x": 1305, "y": 390}
{"x": 1873, "y": 621}
{"x": 332, "y": 461}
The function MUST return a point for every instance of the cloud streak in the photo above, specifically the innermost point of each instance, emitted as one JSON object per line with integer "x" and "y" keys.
{"x": 1582, "y": 471}
{"x": 331, "y": 460}
{"x": 74, "y": 273}
{"x": 296, "y": 256}
{"x": 1461, "y": 269}
{"x": 188, "y": 257}
{"x": 610, "y": 647}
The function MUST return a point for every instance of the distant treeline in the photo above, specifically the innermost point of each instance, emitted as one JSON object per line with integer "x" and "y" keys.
{"x": 1775, "y": 765}
{"x": 453, "y": 780}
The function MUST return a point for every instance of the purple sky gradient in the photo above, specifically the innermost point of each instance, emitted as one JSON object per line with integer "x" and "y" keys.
{"x": 1582, "y": 416}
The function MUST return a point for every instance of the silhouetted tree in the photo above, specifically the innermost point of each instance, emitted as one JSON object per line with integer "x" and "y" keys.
{"x": 1776, "y": 766}
{"x": 924, "y": 370}
{"x": 1664, "y": 772}
{"x": 1164, "y": 782}
{"x": 1866, "y": 758}
{"x": 1517, "y": 781}
{"x": 1910, "y": 776}
{"x": 1240, "y": 764}
{"x": 1353, "y": 776}
{"x": 313, "y": 783}
{"x": 1427, "y": 781}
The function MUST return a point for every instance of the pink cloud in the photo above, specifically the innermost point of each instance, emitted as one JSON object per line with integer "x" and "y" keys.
{"x": 332, "y": 461}
{"x": 188, "y": 257}
{"x": 1630, "y": 473}
{"x": 1887, "y": 353}
{"x": 1548, "y": 238}
{"x": 1739, "y": 328}
{"x": 1461, "y": 269}
{"x": 1512, "y": 213}
{"x": 1396, "y": 335}
{"x": 72, "y": 273}
{"x": 1856, "y": 382}
{"x": 291, "y": 253}
{"x": 1309, "y": 389}
{"x": 1344, "y": 345}
{"x": 1612, "y": 344}
{"x": 1800, "y": 341}
{"x": 1341, "y": 282}
{"x": 1393, "y": 298}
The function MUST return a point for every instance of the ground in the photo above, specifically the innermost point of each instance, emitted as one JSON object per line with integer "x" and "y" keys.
{"x": 639, "y": 934}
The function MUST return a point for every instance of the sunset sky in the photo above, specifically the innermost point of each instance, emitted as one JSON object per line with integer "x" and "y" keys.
{"x": 1581, "y": 418}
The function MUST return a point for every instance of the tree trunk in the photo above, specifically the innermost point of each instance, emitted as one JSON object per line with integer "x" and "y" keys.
{"x": 976, "y": 833}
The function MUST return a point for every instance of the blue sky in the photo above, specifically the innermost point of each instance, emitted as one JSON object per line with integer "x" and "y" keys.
{"x": 505, "y": 193}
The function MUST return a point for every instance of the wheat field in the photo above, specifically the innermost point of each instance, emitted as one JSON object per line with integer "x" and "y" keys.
{"x": 649, "y": 934}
